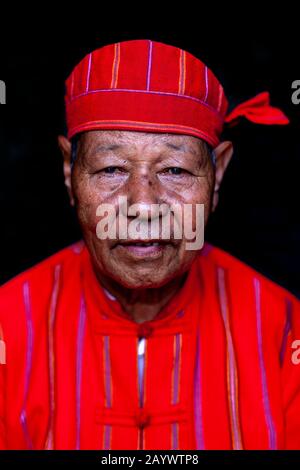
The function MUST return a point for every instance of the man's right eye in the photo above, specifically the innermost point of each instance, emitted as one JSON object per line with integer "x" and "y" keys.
{"x": 109, "y": 170}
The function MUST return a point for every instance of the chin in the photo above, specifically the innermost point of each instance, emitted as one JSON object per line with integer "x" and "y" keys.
{"x": 142, "y": 278}
{"x": 139, "y": 281}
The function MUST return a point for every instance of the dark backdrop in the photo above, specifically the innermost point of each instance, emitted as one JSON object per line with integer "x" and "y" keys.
{"x": 258, "y": 217}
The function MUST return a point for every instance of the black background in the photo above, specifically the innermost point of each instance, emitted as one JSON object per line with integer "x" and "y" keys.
{"x": 257, "y": 219}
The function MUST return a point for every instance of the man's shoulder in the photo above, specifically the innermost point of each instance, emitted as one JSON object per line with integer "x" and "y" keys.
{"x": 40, "y": 275}
{"x": 243, "y": 273}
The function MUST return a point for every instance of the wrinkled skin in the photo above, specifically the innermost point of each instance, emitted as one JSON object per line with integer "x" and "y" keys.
{"x": 148, "y": 169}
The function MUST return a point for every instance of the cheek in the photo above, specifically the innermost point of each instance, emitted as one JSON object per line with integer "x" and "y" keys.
{"x": 87, "y": 199}
{"x": 198, "y": 193}
{"x": 203, "y": 195}
{"x": 199, "y": 190}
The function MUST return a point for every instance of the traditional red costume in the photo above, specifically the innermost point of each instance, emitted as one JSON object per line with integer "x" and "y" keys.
{"x": 216, "y": 369}
{"x": 218, "y": 362}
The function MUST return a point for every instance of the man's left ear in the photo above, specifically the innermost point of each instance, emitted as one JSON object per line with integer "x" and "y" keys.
{"x": 223, "y": 153}
{"x": 65, "y": 148}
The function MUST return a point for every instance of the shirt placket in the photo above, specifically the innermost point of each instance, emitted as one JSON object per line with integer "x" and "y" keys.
{"x": 143, "y": 418}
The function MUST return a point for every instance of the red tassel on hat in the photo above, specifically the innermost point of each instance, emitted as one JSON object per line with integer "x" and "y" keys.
{"x": 259, "y": 111}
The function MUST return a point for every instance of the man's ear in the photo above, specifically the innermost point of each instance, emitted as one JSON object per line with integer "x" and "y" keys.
{"x": 66, "y": 148}
{"x": 223, "y": 153}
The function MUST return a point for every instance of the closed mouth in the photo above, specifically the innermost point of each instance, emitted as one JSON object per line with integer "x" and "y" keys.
{"x": 142, "y": 243}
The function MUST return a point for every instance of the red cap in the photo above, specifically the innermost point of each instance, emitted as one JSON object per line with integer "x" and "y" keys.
{"x": 148, "y": 86}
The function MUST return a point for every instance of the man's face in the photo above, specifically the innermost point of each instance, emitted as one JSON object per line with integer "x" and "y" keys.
{"x": 147, "y": 169}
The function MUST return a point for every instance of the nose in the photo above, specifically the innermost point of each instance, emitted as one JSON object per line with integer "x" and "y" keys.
{"x": 143, "y": 190}
{"x": 143, "y": 196}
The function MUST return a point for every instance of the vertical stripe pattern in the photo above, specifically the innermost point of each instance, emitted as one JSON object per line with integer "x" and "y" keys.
{"x": 79, "y": 354}
{"x": 28, "y": 367}
{"x": 72, "y": 86}
{"x": 232, "y": 376}
{"x": 287, "y": 329}
{"x": 51, "y": 354}
{"x": 115, "y": 67}
{"x": 220, "y": 98}
{"x": 176, "y": 368}
{"x": 107, "y": 437}
{"x": 197, "y": 399}
{"x": 88, "y": 75}
{"x": 149, "y": 65}
{"x": 2, "y": 348}
{"x": 175, "y": 430}
{"x": 107, "y": 372}
{"x": 182, "y": 72}
{"x": 206, "y": 84}
{"x": 265, "y": 395}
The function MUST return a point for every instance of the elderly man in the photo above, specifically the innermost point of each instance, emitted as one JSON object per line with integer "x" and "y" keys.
{"x": 141, "y": 343}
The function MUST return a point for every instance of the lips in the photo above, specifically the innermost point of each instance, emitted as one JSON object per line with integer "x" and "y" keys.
{"x": 143, "y": 248}
{"x": 142, "y": 243}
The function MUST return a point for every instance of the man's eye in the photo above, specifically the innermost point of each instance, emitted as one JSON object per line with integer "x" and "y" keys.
{"x": 175, "y": 170}
{"x": 110, "y": 170}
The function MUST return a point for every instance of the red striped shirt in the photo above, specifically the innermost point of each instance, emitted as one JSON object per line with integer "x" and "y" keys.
{"x": 217, "y": 367}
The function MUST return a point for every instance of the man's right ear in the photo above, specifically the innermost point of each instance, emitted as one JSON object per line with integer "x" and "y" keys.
{"x": 66, "y": 149}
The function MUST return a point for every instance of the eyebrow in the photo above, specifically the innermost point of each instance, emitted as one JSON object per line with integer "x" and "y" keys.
{"x": 182, "y": 148}
{"x": 179, "y": 147}
{"x": 106, "y": 148}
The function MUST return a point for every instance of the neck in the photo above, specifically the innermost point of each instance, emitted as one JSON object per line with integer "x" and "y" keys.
{"x": 142, "y": 304}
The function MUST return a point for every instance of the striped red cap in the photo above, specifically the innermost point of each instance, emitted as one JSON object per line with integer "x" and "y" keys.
{"x": 147, "y": 86}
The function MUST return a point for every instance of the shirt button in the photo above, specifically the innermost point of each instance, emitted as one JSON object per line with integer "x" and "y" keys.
{"x": 144, "y": 330}
{"x": 143, "y": 419}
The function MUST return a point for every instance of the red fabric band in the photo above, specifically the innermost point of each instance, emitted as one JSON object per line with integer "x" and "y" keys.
{"x": 152, "y": 87}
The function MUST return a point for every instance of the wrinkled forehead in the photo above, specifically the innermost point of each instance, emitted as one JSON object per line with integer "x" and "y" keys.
{"x": 125, "y": 140}
{"x": 128, "y": 144}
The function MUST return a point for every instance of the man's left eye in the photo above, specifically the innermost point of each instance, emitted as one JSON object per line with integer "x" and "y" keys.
{"x": 175, "y": 170}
